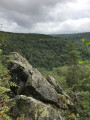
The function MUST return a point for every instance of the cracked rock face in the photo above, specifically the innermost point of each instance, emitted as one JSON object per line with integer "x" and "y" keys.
{"x": 36, "y": 89}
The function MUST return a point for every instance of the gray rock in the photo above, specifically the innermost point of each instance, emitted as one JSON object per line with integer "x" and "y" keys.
{"x": 32, "y": 84}
{"x": 42, "y": 86}
{"x": 32, "y": 80}
{"x": 32, "y": 109}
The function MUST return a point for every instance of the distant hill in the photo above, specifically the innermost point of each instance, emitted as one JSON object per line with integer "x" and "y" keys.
{"x": 75, "y": 37}
{"x": 42, "y": 50}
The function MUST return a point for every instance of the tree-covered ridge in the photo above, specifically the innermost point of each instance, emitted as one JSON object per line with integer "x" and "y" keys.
{"x": 75, "y": 37}
{"x": 43, "y": 50}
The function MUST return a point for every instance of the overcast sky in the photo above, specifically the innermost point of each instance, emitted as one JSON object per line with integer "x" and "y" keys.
{"x": 45, "y": 16}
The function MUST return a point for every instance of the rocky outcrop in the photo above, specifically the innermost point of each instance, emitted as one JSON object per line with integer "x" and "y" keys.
{"x": 42, "y": 94}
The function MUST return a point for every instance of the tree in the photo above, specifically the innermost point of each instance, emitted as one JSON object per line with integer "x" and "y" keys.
{"x": 72, "y": 57}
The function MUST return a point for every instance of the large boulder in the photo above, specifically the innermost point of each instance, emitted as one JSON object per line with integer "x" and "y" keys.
{"x": 30, "y": 81}
{"x": 32, "y": 109}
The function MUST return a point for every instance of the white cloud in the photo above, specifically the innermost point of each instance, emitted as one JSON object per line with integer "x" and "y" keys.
{"x": 68, "y": 26}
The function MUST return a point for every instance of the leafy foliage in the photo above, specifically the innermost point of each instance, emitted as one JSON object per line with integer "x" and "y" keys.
{"x": 4, "y": 83}
{"x": 86, "y": 42}
{"x": 4, "y": 88}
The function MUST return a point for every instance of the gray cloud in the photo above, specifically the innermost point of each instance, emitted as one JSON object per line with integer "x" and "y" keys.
{"x": 42, "y": 15}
